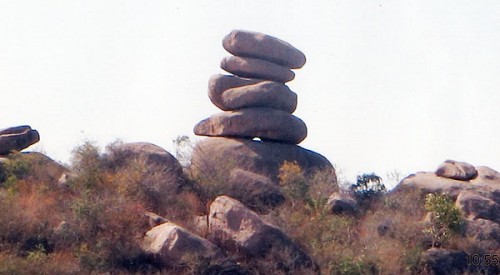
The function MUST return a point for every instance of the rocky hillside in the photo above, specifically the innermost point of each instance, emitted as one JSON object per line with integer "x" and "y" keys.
{"x": 249, "y": 201}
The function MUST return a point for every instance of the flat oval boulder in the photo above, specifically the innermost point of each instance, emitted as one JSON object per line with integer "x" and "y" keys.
{"x": 456, "y": 170}
{"x": 17, "y": 138}
{"x": 256, "y": 68}
{"x": 264, "y": 123}
{"x": 233, "y": 93}
{"x": 259, "y": 45}
{"x": 215, "y": 158}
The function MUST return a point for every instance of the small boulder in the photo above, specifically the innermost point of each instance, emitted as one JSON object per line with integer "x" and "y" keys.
{"x": 256, "y": 68}
{"x": 231, "y": 93}
{"x": 17, "y": 138}
{"x": 342, "y": 203}
{"x": 160, "y": 168}
{"x": 236, "y": 228}
{"x": 172, "y": 245}
{"x": 259, "y": 45}
{"x": 264, "y": 123}
{"x": 255, "y": 191}
{"x": 456, "y": 170}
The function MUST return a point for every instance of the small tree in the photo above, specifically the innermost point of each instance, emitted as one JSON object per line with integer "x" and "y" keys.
{"x": 445, "y": 218}
{"x": 368, "y": 186}
{"x": 183, "y": 147}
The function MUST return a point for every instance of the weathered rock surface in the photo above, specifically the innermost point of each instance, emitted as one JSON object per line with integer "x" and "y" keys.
{"x": 159, "y": 167}
{"x": 217, "y": 157}
{"x": 264, "y": 123}
{"x": 236, "y": 228}
{"x": 456, "y": 170}
{"x": 475, "y": 206}
{"x": 486, "y": 232}
{"x": 173, "y": 245}
{"x": 256, "y": 68}
{"x": 342, "y": 203}
{"x": 255, "y": 191}
{"x": 443, "y": 261}
{"x": 233, "y": 93}
{"x": 259, "y": 45}
{"x": 486, "y": 183}
{"x": 17, "y": 138}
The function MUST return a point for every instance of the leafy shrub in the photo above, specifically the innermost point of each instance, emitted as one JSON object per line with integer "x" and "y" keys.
{"x": 16, "y": 167}
{"x": 445, "y": 218}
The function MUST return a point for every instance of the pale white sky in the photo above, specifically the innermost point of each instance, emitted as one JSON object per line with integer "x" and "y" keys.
{"x": 388, "y": 84}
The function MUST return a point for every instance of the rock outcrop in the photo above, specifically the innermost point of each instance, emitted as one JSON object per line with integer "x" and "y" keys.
{"x": 256, "y": 104}
{"x": 237, "y": 229}
{"x": 476, "y": 192}
{"x": 17, "y": 138}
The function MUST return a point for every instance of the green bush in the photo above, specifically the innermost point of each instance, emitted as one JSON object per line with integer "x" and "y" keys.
{"x": 445, "y": 218}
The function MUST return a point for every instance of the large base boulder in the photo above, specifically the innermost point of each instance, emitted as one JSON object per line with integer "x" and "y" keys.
{"x": 17, "y": 138}
{"x": 215, "y": 158}
{"x": 237, "y": 229}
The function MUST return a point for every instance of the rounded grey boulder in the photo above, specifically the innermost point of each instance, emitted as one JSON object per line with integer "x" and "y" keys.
{"x": 233, "y": 93}
{"x": 263, "y": 46}
{"x": 256, "y": 68}
{"x": 264, "y": 123}
{"x": 456, "y": 170}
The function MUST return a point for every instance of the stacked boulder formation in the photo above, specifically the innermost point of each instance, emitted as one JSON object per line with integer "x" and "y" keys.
{"x": 255, "y": 100}
{"x": 256, "y": 103}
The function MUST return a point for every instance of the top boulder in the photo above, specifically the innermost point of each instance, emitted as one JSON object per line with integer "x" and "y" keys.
{"x": 262, "y": 46}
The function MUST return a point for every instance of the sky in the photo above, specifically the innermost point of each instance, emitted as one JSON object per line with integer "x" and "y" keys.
{"x": 388, "y": 85}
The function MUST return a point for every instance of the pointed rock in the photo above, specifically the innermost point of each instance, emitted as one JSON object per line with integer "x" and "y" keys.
{"x": 238, "y": 229}
{"x": 173, "y": 245}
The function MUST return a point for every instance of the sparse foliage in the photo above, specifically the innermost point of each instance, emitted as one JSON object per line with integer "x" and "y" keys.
{"x": 367, "y": 187}
{"x": 445, "y": 218}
